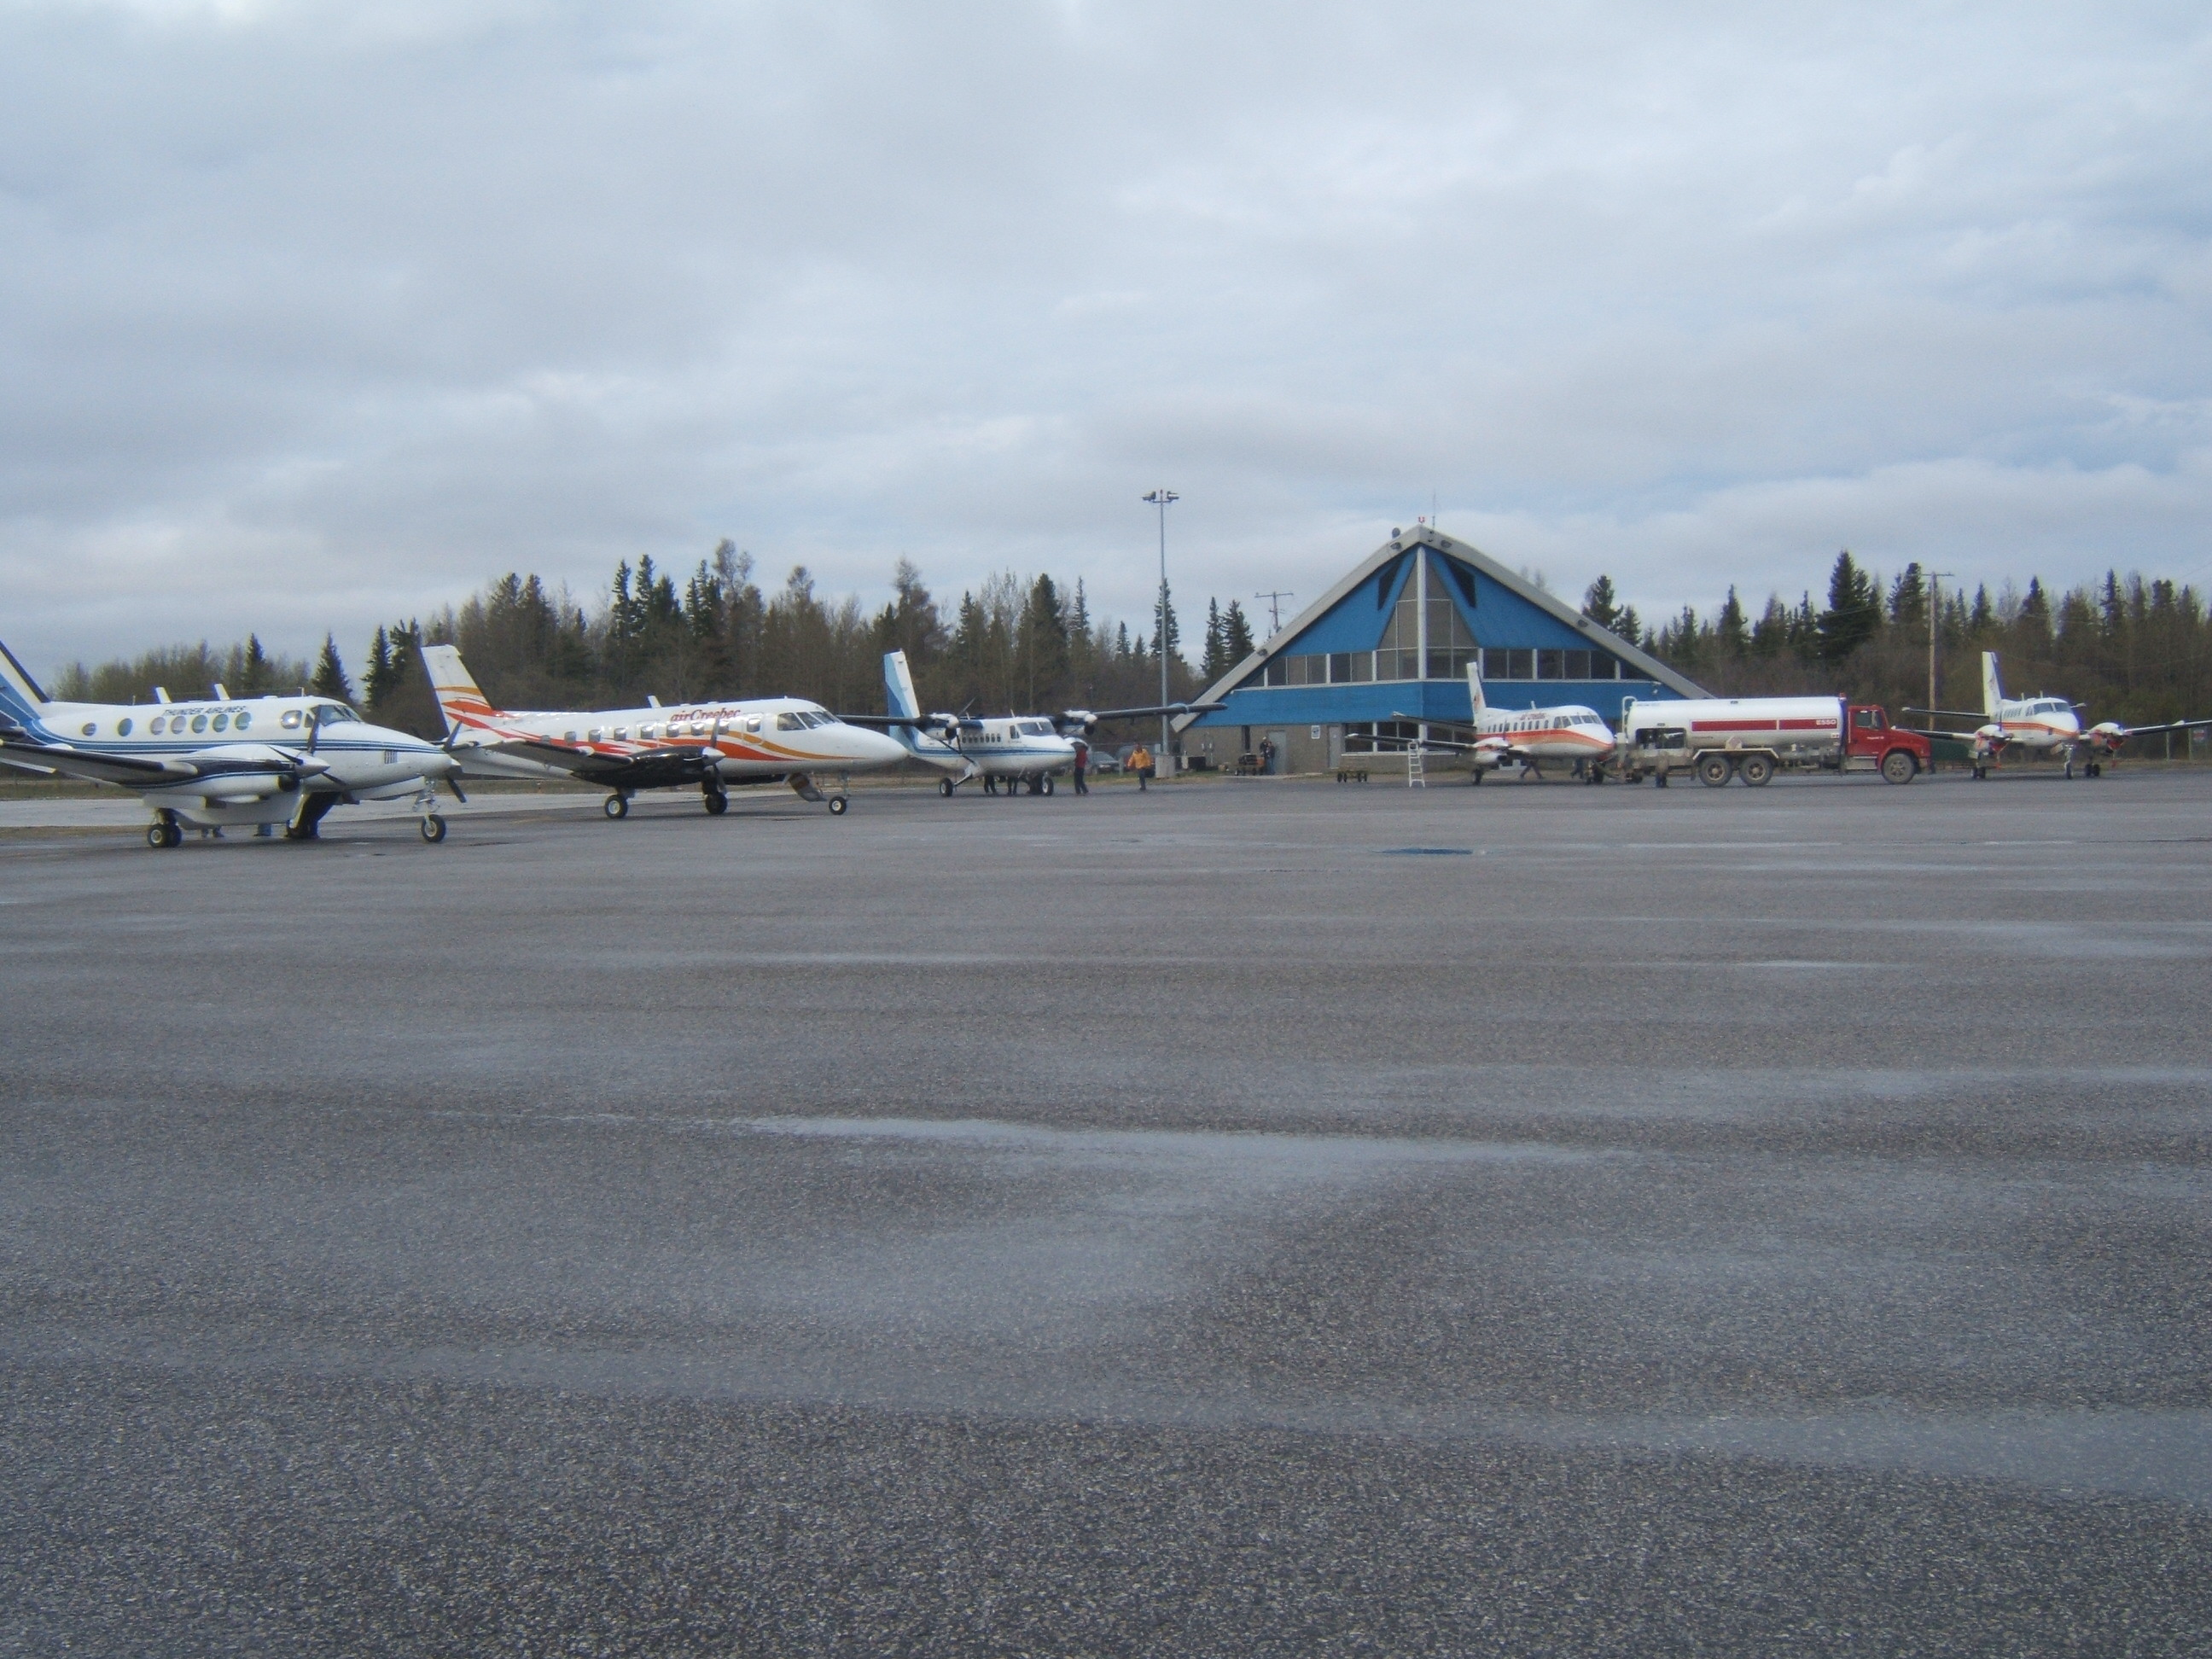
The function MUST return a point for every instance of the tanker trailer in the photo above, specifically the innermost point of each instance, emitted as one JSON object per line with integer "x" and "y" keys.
{"x": 1753, "y": 738}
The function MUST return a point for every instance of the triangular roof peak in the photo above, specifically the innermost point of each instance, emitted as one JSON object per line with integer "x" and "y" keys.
{"x": 1404, "y": 541}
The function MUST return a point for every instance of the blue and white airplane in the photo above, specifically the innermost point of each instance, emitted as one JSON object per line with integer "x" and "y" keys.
{"x": 1020, "y": 751}
{"x": 216, "y": 761}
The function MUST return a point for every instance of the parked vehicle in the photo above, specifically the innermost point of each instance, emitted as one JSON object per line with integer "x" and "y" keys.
{"x": 1753, "y": 738}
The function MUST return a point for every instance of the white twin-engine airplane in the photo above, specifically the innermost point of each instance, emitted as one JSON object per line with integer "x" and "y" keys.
{"x": 2040, "y": 727}
{"x": 706, "y": 746}
{"x": 1525, "y": 738}
{"x": 215, "y": 762}
{"x": 1021, "y": 751}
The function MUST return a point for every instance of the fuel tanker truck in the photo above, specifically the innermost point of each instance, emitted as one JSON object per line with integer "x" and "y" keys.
{"x": 1752, "y": 737}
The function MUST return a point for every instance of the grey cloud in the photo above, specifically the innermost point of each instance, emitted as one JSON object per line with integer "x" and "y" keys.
{"x": 312, "y": 315}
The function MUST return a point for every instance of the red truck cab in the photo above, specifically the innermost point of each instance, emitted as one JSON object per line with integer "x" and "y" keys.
{"x": 1871, "y": 743}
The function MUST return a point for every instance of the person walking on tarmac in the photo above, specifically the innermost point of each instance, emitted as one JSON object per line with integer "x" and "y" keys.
{"x": 1140, "y": 763}
{"x": 1082, "y": 758}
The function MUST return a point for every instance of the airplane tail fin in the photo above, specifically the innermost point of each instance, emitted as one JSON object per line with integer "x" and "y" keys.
{"x": 1474, "y": 690}
{"x": 1992, "y": 693}
{"x": 20, "y": 697}
{"x": 898, "y": 686}
{"x": 461, "y": 704}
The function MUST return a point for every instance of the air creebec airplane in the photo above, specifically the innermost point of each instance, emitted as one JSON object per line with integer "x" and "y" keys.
{"x": 2041, "y": 726}
{"x": 1021, "y": 751}
{"x": 215, "y": 762}
{"x": 1525, "y": 738}
{"x": 706, "y": 746}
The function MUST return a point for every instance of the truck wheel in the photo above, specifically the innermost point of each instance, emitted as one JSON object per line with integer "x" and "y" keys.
{"x": 1756, "y": 769}
{"x": 1715, "y": 771}
{"x": 1898, "y": 767}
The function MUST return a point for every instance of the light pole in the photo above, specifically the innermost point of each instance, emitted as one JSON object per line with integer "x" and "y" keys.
{"x": 1934, "y": 615}
{"x": 1163, "y": 499}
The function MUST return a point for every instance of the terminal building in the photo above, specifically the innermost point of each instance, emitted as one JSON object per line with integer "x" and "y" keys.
{"x": 1385, "y": 653}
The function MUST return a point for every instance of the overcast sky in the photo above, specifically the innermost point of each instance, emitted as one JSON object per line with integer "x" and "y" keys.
{"x": 316, "y": 314}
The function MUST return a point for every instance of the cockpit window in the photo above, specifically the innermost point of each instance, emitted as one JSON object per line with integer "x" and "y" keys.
{"x": 787, "y": 721}
{"x": 333, "y": 714}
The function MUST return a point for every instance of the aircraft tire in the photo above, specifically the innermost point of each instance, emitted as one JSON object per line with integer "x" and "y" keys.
{"x": 1048, "y": 783}
{"x": 837, "y": 805}
{"x": 157, "y": 834}
{"x": 617, "y": 806}
{"x": 717, "y": 803}
{"x": 433, "y": 829}
{"x": 945, "y": 787}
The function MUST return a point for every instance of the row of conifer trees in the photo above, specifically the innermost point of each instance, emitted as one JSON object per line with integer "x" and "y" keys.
{"x": 2131, "y": 649}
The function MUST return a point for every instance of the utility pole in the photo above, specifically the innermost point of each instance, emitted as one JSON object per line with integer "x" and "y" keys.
{"x": 1274, "y": 611}
{"x": 1935, "y": 620}
{"x": 1163, "y": 499}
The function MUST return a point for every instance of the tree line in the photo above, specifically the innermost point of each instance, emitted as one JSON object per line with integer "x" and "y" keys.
{"x": 2130, "y": 648}
{"x": 1013, "y": 644}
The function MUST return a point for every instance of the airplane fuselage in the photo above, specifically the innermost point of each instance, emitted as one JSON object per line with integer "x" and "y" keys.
{"x": 751, "y": 740}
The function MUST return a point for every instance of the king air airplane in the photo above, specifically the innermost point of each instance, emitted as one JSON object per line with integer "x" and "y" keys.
{"x": 1525, "y": 738}
{"x": 214, "y": 762}
{"x": 1021, "y": 751}
{"x": 2039, "y": 727}
{"x": 704, "y": 746}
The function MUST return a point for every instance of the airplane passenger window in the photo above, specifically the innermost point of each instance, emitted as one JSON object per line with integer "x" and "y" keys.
{"x": 220, "y": 721}
{"x": 752, "y": 722}
{"x": 598, "y": 732}
{"x": 199, "y": 722}
{"x": 245, "y": 721}
{"x": 621, "y": 734}
{"x": 291, "y": 720}
{"x": 91, "y": 726}
{"x": 156, "y": 726}
{"x": 649, "y": 731}
{"x": 122, "y": 727}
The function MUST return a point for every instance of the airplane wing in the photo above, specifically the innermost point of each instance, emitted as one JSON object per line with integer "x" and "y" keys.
{"x": 654, "y": 769}
{"x": 892, "y": 722}
{"x": 1090, "y": 717}
{"x": 1436, "y": 743}
{"x": 1978, "y": 715}
{"x": 2160, "y": 726}
{"x": 139, "y": 772}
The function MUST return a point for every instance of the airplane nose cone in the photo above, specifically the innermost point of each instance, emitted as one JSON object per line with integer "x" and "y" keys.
{"x": 883, "y": 749}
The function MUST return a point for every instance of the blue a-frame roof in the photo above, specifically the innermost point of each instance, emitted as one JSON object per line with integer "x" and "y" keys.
{"x": 1501, "y": 610}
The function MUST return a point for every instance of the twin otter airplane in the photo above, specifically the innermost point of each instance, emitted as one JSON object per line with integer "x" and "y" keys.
{"x": 706, "y": 746}
{"x": 1020, "y": 751}
{"x": 219, "y": 762}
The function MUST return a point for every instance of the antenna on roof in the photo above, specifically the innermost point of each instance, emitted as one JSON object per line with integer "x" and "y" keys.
{"x": 1274, "y": 611}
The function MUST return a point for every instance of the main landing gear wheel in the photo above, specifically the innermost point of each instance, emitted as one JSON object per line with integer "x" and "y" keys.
{"x": 433, "y": 829}
{"x": 1048, "y": 784}
{"x": 1756, "y": 769}
{"x": 162, "y": 836}
{"x": 945, "y": 787}
{"x": 1981, "y": 771}
{"x": 837, "y": 805}
{"x": 617, "y": 806}
{"x": 718, "y": 802}
{"x": 1714, "y": 770}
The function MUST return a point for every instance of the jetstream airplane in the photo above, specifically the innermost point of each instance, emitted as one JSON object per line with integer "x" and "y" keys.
{"x": 706, "y": 745}
{"x": 2040, "y": 727}
{"x": 1023, "y": 750}
{"x": 212, "y": 763}
{"x": 1523, "y": 737}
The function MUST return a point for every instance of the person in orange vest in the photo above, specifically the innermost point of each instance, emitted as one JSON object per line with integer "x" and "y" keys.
{"x": 1140, "y": 763}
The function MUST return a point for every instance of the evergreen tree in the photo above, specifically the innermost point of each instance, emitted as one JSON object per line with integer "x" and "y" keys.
{"x": 330, "y": 679}
{"x": 1770, "y": 634}
{"x": 1209, "y": 665}
{"x": 1730, "y": 636}
{"x": 1237, "y": 640}
{"x": 376, "y": 685}
{"x": 1166, "y": 636}
{"x": 1599, "y": 605}
{"x": 1854, "y": 613}
{"x": 1908, "y": 597}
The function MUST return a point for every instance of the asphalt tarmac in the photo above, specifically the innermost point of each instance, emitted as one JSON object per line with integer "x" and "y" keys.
{"x": 1269, "y": 1217}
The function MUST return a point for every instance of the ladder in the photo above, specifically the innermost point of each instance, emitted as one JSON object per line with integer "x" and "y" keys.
{"x": 1417, "y": 775}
